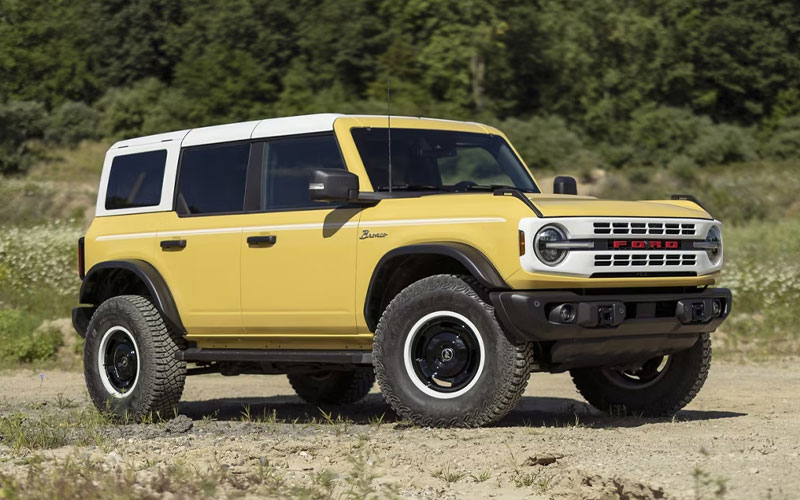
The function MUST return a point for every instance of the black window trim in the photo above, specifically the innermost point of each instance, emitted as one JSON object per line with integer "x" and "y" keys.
{"x": 253, "y": 175}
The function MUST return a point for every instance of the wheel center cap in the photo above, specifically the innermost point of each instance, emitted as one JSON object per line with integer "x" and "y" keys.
{"x": 125, "y": 361}
{"x": 447, "y": 354}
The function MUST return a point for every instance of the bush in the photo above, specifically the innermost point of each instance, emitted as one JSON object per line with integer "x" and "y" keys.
{"x": 21, "y": 341}
{"x": 784, "y": 141}
{"x": 147, "y": 107}
{"x": 20, "y": 121}
{"x": 545, "y": 142}
{"x": 72, "y": 122}
{"x": 662, "y": 134}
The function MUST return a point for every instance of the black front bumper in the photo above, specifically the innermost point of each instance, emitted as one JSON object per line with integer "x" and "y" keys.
{"x": 611, "y": 328}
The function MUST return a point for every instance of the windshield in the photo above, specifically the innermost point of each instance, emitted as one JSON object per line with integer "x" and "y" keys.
{"x": 441, "y": 160}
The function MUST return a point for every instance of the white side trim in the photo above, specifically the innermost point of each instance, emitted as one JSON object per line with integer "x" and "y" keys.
{"x": 432, "y": 222}
{"x": 410, "y": 368}
{"x": 300, "y": 227}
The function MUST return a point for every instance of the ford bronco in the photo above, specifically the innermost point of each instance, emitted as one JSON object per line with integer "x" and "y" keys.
{"x": 422, "y": 253}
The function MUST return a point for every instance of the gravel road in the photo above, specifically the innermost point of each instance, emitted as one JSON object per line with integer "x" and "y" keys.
{"x": 739, "y": 439}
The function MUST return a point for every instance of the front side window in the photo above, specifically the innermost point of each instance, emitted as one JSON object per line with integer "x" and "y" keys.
{"x": 135, "y": 180}
{"x": 440, "y": 160}
{"x": 288, "y": 164}
{"x": 212, "y": 179}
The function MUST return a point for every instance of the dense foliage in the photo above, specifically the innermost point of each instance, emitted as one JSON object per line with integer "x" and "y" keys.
{"x": 708, "y": 81}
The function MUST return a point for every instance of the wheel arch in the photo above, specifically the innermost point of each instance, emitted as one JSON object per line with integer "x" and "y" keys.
{"x": 402, "y": 266}
{"x": 119, "y": 277}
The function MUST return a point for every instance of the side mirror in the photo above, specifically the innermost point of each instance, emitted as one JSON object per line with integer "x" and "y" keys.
{"x": 333, "y": 184}
{"x": 565, "y": 185}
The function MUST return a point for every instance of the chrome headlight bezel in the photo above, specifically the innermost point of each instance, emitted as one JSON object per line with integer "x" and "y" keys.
{"x": 714, "y": 241}
{"x": 550, "y": 256}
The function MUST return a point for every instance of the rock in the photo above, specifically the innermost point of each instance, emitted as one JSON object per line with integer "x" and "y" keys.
{"x": 542, "y": 459}
{"x": 179, "y": 424}
{"x": 113, "y": 460}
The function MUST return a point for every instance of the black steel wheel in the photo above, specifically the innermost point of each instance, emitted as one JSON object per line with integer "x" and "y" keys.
{"x": 659, "y": 387}
{"x": 445, "y": 352}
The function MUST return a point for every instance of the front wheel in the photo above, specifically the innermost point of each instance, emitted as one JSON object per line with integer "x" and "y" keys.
{"x": 660, "y": 387}
{"x": 442, "y": 359}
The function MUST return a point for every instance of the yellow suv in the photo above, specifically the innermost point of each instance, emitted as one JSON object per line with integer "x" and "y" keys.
{"x": 340, "y": 249}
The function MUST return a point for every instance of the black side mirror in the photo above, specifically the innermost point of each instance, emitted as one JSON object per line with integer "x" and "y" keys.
{"x": 333, "y": 184}
{"x": 565, "y": 185}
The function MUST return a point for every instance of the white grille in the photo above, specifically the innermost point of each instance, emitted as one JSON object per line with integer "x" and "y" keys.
{"x": 645, "y": 259}
{"x": 644, "y": 228}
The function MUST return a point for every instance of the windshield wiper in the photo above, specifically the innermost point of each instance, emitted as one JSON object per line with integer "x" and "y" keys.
{"x": 412, "y": 187}
{"x": 492, "y": 187}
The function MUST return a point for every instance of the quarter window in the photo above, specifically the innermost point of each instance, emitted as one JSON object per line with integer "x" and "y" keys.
{"x": 135, "y": 180}
{"x": 212, "y": 179}
{"x": 288, "y": 164}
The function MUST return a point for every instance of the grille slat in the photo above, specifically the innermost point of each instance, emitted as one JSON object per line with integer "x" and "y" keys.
{"x": 645, "y": 228}
{"x": 644, "y": 260}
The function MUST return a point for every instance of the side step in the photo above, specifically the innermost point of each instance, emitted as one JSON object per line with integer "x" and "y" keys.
{"x": 277, "y": 356}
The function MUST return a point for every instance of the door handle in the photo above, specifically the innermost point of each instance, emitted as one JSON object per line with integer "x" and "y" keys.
{"x": 173, "y": 244}
{"x": 255, "y": 241}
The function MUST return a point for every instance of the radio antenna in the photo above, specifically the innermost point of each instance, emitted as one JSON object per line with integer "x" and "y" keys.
{"x": 389, "y": 130}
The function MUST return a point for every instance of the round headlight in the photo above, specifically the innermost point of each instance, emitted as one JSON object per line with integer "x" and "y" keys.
{"x": 548, "y": 234}
{"x": 714, "y": 251}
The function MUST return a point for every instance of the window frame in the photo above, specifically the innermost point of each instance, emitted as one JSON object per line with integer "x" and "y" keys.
{"x": 255, "y": 168}
{"x": 171, "y": 145}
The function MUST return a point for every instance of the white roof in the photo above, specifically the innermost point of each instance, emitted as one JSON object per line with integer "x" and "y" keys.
{"x": 271, "y": 127}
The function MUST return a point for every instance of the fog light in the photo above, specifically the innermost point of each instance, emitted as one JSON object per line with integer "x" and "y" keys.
{"x": 716, "y": 308}
{"x": 564, "y": 313}
{"x": 567, "y": 313}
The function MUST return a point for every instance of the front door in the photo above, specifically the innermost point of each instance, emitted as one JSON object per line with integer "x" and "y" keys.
{"x": 298, "y": 256}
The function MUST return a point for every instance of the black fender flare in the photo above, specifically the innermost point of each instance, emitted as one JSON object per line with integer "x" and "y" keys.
{"x": 478, "y": 265}
{"x": 149, "y": 275}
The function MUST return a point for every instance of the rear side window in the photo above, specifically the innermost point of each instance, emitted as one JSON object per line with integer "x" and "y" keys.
{"x": 135, "y": 180}
{"x": 288, "y": 164}
{"x": 212, "y": 179}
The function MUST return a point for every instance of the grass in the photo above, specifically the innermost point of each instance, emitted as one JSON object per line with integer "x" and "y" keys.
{"x": 449, "y": 476}
{"x": 81, "y": 478}
{"x": 25, "y": 434}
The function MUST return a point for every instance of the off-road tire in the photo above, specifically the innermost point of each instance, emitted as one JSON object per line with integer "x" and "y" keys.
{"x": 496, "y": 390}
{"x": 682, "y": 380}
{"x": 333, "y": 387}
{"x": 161, "y": 377}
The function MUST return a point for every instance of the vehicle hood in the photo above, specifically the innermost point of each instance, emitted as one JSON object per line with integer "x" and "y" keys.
{"x": 585, "y": 206}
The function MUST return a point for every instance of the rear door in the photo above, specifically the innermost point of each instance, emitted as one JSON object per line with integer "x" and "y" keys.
{"x": 199, "y": 245}
{"x": 298, "y": 256}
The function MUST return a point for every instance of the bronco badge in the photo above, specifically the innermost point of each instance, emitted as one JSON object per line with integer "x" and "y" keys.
{"x": 365, "y": 234}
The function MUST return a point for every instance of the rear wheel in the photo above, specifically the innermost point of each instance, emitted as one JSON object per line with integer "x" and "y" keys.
{"x": 441, "y": 358}
{"x": 333, "y": 387}
{"x": 129, "y": 360}
{"x": 658, "y": 387}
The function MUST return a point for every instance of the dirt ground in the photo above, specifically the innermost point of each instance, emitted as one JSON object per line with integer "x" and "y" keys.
{"x": 740, "y": 438}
